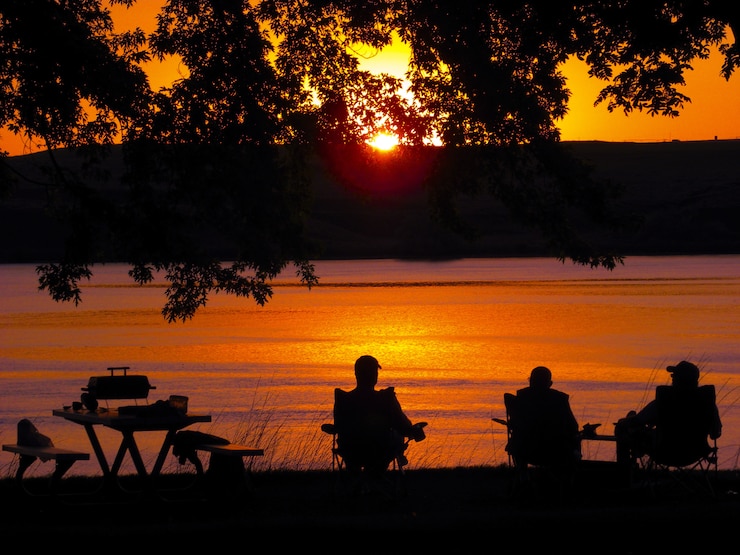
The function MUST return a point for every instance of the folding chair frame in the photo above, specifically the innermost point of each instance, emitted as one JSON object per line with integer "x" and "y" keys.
{"x": 693, "y": 474}
{"x": 524, "y": 482}
{"x": 344, "y": 483}
{"x": 698, "y": 477}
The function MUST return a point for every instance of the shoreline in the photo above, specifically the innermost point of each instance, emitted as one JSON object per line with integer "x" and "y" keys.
{"x": 685, "y": 193}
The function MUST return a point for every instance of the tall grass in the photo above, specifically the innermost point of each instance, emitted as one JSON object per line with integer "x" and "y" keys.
{"x": 310, "y": 449}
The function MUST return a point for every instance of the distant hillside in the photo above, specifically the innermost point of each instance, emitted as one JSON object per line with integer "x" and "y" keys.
{"x": 688, "y": 194}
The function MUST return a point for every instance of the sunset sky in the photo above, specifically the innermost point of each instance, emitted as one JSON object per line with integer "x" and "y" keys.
{"x": 713, "y": 112}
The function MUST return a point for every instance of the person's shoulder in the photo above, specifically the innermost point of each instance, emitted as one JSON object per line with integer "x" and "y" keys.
{"x": 340, "y": 393}
{"x": 558, "y": 393}
{"x": 387, "y": 395}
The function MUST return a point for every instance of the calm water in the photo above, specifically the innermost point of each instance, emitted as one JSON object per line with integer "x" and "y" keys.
{"x": 452, "y": 338}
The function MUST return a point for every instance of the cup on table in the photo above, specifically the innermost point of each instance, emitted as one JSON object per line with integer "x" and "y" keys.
{"x": 179, "y": 403}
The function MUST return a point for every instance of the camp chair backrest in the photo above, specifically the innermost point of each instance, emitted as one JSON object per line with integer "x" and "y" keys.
{"x": 534, "y": 436}
{"x": 364, "y": 426}
{"x": 365, "y": 416}
{"x": 525, "y": 443}
{"x": 512, "y": 412}
{"x": 340, "y": 408}
{"x": 684, "y": 421}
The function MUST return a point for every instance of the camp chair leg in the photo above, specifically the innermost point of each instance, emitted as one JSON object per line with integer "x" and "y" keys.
{"x": 356, "y": 482}
{"x": 353, "y": 482}
{"x": 696, "y": 480}
{"x": 398, "y": 475}
{"x": 337, "y": 476}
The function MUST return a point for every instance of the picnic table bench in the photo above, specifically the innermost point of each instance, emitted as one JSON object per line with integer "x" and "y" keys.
{"x": 233, "y": 449}
{"x": 226, "y": 468}
{"x": 64, "y": 459}
{"x": 223, "y": 449}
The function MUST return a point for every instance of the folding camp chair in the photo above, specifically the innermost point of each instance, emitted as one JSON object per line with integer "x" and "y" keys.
{"x": 356, "y": 481}
{"x": 681, "y": 452}
{"x": 537, "y": 460}
{"x": 344, "y": 482}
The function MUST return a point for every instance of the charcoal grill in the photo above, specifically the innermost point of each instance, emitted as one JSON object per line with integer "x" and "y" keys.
{"x": 119, "y": 386}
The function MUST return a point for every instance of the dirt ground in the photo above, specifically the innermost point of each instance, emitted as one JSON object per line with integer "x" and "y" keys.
{"x": 459, "y": 510}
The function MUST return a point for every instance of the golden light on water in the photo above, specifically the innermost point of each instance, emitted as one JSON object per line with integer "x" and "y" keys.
{"x": 449, "y": 351}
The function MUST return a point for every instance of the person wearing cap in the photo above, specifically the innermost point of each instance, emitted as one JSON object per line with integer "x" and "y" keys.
{"x": 544, "y": 430}
{"x": 634, "y": 431}
{"x": 371, "y": 426}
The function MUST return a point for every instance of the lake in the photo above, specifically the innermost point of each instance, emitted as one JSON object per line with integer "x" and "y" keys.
{"x": 452, "y": 338}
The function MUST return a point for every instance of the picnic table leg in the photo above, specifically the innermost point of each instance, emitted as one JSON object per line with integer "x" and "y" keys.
{"x": 23, "y": 463}
{"x": 128, "y": 443}
{"x": 169, "y": 438}
{"x": 118, "y": 460}
{"x": 61, "y": 469}
{"x": 98, "y": 450}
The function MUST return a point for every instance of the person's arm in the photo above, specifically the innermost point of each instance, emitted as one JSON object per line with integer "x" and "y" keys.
{"x": 572, "y": 422}
{"x": 648, "y": 415}
{"x": 399, "y": 420}
{"x": 716, "y": 430}
{"x": 565, "y": 413}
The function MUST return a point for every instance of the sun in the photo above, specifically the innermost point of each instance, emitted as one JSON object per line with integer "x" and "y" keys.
{"x": 384, "y": 141}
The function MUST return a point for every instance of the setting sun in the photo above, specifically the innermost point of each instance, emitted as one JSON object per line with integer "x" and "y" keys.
{"x": 384, "y": 141}
{"x": 713, "y": 112}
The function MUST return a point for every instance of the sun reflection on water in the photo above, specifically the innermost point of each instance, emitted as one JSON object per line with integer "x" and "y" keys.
{"x": 451, "y": 351}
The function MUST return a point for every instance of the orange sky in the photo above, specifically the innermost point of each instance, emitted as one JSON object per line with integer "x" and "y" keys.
{"x": 713, "y": 112}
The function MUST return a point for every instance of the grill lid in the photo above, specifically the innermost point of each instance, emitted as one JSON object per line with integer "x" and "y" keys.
{"x": 123, "y": 386}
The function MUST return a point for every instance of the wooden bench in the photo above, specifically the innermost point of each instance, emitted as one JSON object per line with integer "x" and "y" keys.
{"x": 224, "y": 475}
{"x": 228, "y": 449}
{"x": 231, "y": 449}
{"x": 64, "y": 459}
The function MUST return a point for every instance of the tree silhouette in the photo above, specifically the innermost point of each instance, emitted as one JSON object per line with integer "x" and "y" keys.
{"x": 216, "y": 164}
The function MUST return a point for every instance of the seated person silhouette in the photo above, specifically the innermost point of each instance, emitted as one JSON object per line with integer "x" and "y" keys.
{"x": 672, "y": 428}
{"x": 370, "y": 424}
{"x": 543, "y": 430}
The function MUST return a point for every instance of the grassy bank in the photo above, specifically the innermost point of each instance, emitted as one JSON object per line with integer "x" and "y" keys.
{"x": 454, "y": 509}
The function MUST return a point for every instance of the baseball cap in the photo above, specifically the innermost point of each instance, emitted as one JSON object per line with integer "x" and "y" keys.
{"x": 367, "y": 362}
{"x": 685, "y": 371}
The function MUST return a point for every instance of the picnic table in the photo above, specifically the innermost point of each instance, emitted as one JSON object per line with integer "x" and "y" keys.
{"x": 129, "y": 424}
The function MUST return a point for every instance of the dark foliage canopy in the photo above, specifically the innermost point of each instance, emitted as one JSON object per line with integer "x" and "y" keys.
{"x": 216, "y": 163}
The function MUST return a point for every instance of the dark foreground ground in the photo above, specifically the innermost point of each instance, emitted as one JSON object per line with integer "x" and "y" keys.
{"x": 450, "y": 510}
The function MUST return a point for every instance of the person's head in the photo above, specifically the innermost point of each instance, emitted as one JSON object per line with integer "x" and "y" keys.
{"x": 366, "y": 371}
{"x": 684, "y": 374}
{"x": 540, "y": 378}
